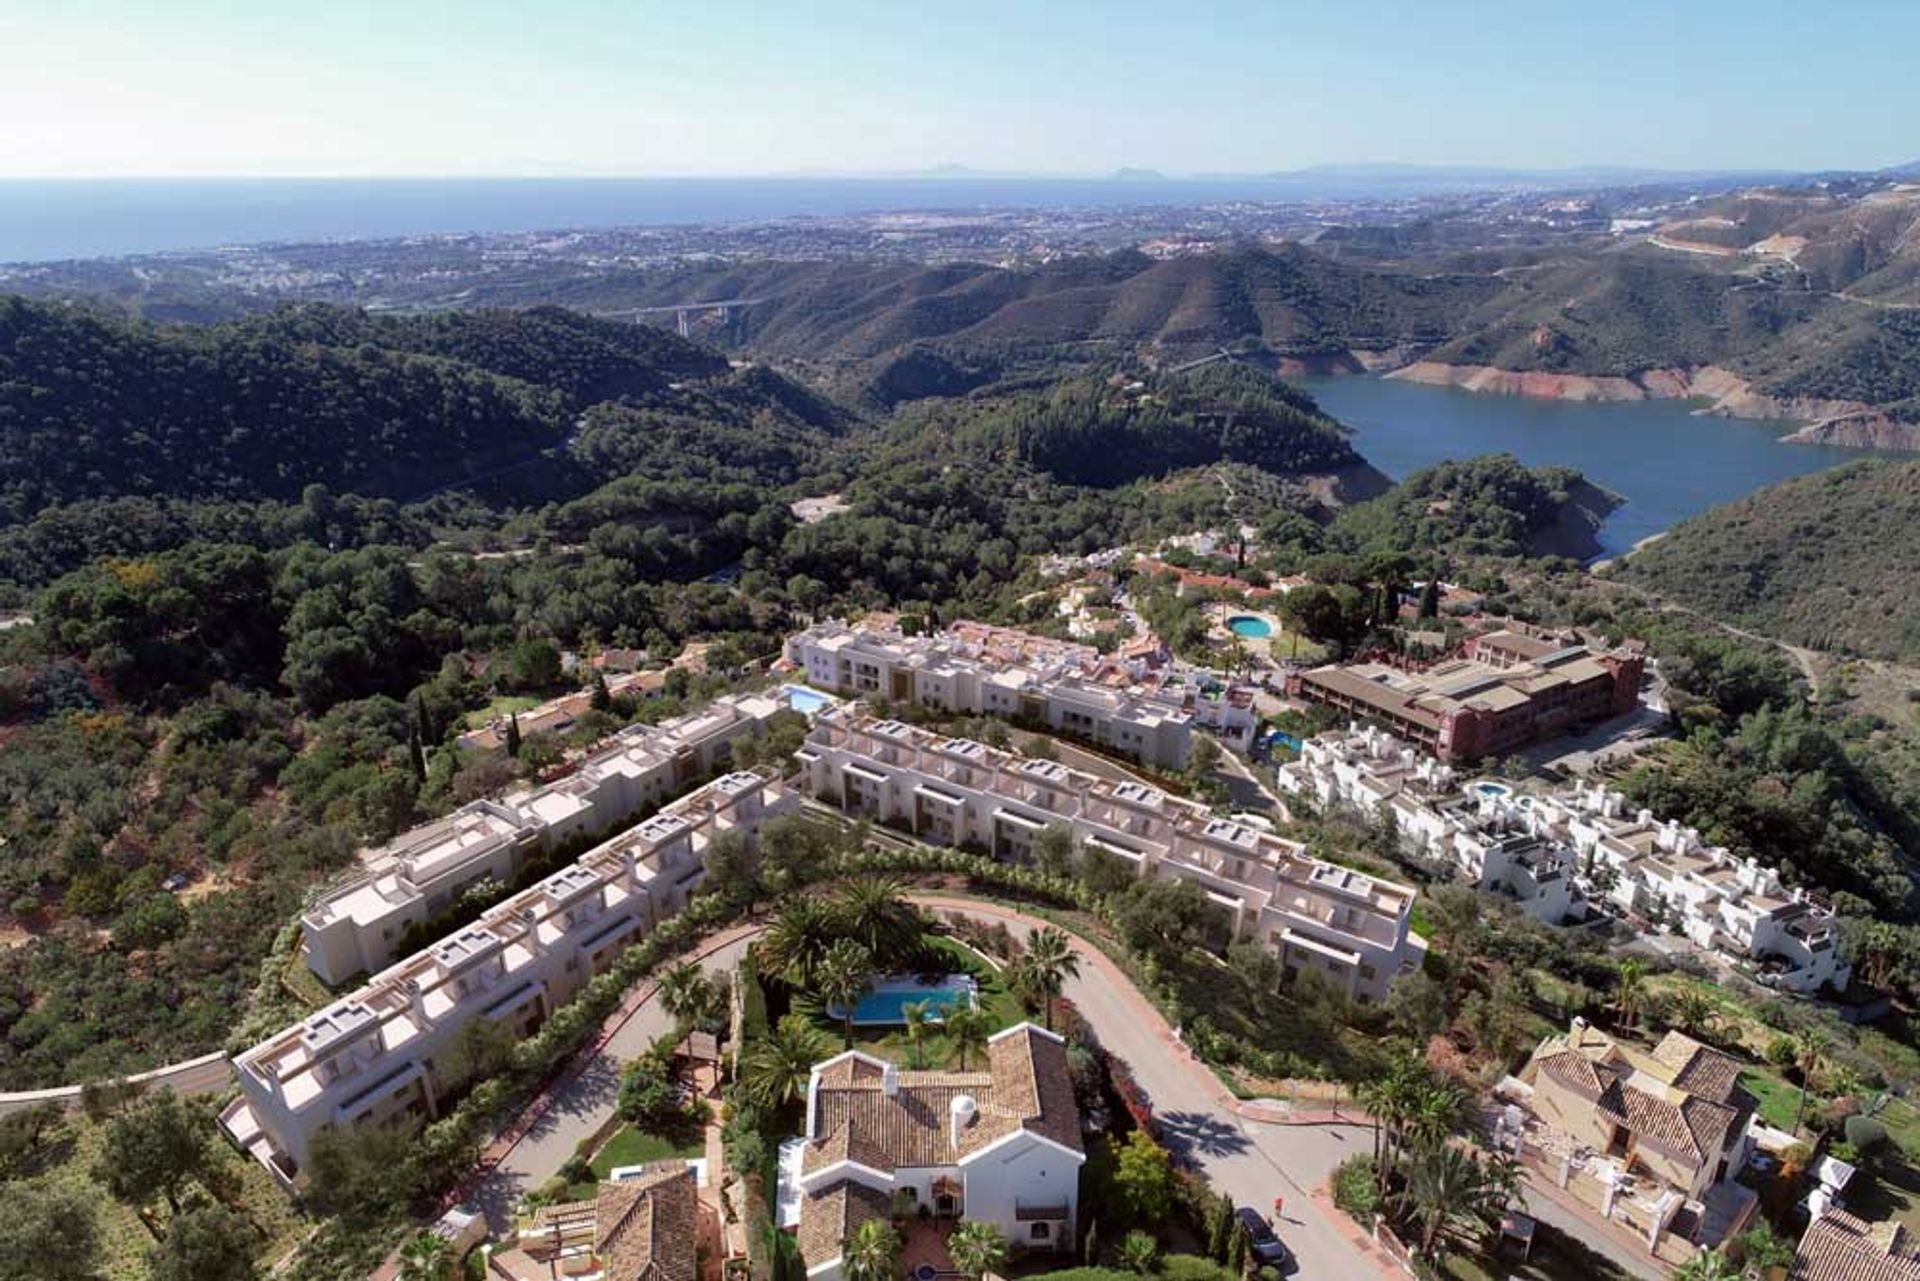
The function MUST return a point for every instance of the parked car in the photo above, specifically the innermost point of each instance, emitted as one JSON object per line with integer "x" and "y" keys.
{"x": 1267, "y": 1247}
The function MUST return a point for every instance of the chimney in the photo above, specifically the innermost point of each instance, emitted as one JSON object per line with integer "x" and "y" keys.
{"x": 962, "y": 1111}
{"x": 890, "y": 1081}
{"x": 417, "y": 1003}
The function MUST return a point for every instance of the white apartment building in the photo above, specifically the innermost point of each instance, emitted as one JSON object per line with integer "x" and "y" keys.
{"x": 1312, "y": 915}
{"x": 972, "y": 668}
{"x": 1549, "y": 851}
{"x": 356, "y": 927}
{"x": 374, "y": 1056}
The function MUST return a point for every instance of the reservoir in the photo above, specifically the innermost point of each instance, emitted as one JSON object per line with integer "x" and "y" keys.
{"x": 1664, "y": 460}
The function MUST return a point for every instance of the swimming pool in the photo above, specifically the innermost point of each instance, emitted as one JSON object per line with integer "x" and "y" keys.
{"x": 803, "y": 700}
{"x": 1253, "y": 628}
{"x": 1492, "y": 789}
{"x": 886, "y": 1005}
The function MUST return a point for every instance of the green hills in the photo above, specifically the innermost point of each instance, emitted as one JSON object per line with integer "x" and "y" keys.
{"x": 1830, "y": 561}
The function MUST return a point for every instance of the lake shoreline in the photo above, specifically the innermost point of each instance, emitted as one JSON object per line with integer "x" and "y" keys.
{"x": 1662, "y": 459}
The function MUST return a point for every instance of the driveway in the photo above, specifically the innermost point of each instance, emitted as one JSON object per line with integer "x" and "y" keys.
{"x": 1251, "y": 1161}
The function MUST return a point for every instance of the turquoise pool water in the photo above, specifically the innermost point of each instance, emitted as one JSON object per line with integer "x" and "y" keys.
{"x": 803, "y": 700}
{"x": 1249, "y": 626}
{"x": 886, "y": 1005}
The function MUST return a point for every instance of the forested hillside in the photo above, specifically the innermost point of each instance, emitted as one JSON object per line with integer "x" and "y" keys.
{"x": 1830, "y": 561}
{"x": 96, "y": 407}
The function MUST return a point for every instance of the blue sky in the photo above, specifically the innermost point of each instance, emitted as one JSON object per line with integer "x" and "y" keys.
{"x": 109, "y": 87}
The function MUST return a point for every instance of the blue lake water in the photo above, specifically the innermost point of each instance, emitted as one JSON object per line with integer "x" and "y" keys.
{"x": 1666, "y": 461}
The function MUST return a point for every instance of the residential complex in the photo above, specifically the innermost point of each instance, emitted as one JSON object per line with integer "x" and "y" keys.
{"x": 1350, "y": 927}
{"x": 1507, "y": 689}
{"x": 1660, "y": 1135}
{"x": 1554, "y": 852}
{"x": 1125, "y": 702}
{"x": 358, "y": 927}
{"x": 999, "y": 1146}
{"x": 381, "y": 1053}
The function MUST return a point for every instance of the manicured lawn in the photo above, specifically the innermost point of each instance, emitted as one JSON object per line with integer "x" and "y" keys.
{"x": 1779, "y": 1098}
{"x": 504, "y": 705}
{"x": 629, "y": 1146}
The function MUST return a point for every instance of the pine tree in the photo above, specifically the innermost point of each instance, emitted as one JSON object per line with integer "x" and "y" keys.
{"x": 513, "y": 734}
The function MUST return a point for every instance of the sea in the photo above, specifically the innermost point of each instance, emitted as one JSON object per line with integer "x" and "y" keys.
{"x": 45, "y": 220}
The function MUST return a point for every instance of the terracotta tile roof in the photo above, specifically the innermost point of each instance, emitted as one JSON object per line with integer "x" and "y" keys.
{"x": 1026, "y": 1086}
{"x": 1698, "y": 1070}
{"x": 1839, "y": 1247}
{"x": 831, "y": 1215}
{"x": 644, "y": 1229}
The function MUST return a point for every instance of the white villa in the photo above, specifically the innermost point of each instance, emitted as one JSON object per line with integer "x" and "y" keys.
{"x": 357, "y": 926}
{"x": 1117, "y": 701}
{"x": 1001, "y": 1146}
{"x": 1552, "y": 851}
{"x": 1351, "y": 927}
{"x": 376, "y": 1056}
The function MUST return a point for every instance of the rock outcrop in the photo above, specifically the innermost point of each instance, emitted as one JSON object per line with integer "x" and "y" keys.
{"x": 1725, "y": 393}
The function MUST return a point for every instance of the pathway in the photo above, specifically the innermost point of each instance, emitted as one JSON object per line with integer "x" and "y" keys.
{"x": 582, "y": 1101}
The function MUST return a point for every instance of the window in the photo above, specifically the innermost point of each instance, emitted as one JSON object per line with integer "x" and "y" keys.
{"x": 1366, "y": 972}
{"x": 1041, "y": 1232}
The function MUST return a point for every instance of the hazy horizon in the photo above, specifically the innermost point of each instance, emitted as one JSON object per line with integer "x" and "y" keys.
{"x": 590, "y": 88}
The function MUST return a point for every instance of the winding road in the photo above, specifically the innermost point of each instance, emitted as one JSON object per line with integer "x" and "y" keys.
{"x": 1249, "y": 1160}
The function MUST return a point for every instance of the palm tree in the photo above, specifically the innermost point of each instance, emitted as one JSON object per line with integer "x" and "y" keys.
{"x": 1707, "y": 1265}
{"x": 1448, "y": 1190}
{"x": 873, "y": 911}
{"x": 684, "y": 992}
{"x": 1139, "y": 1252}
{"x": 1393, "y": 1099}
{"x": 793, "y": 945}
{"x": 775, "y": 1070}
{"x": 966, "y": 1027}
{"x": 872, "y": 1253}
{"x": 1630, "y": 992}
{"x": 918, "y": 1017}
{"x": 1691, "y": 1011}
{"x": 428, "y": 1257}
{"x": 1436, "y": 1113}
{"x": 1051, "y": 961}
{"x": 1810, "y": 1056}
{"x": 977, "y": 1248}
{"x": 843, "y": 976}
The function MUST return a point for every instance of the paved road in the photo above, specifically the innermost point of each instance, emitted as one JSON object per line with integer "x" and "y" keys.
{"x": 582, "y": 1105}
{"x": 1250, "y": 1161}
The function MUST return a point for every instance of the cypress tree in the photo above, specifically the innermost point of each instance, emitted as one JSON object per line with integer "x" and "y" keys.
{"x": 513, "y": 734}
{"x": 422, "y": 722}
{"x": 1237, "y": 1250}
{"x": 1093, "y": 1243}
{"x": 1430, "y": 599}
{"x": 1220, "y": 1238}
{"x": 602, "y": 697}
{"x": 417, "y": 755}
